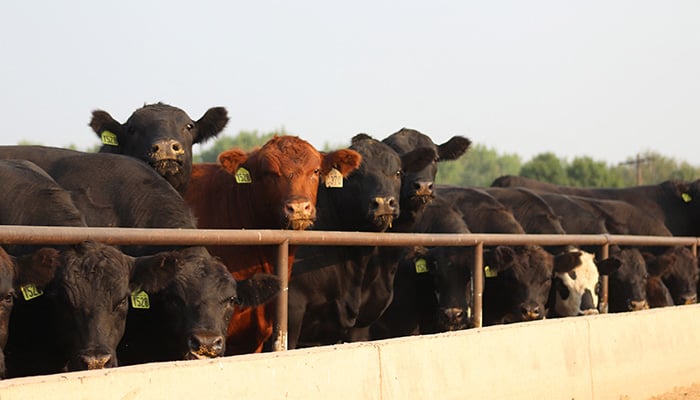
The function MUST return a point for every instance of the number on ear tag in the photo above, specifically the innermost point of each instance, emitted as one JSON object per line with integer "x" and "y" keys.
{"x": 30, "y": 291}
{"x": 109, "y": 138}
{"x": 139, "y": 299}
{"x": 243, "y": 176}
{"x": 489, "y": 273}
{"x": 421, "y": 266}
{"x": 334, "y": 179}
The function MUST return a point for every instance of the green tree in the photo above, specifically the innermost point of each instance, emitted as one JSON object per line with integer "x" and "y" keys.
{"x": 546, "y": 167}
{"x": 245, "y": 140}
{"x": 585, "y": 172}
{"x": 478, "y": 167}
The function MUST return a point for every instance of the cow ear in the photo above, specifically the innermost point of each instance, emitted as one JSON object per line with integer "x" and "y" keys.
{"x": 418, "y": 159}
{"x": 232, "y": 159}
{"x": 566, "y": 261}
{"x": 211, "y": 124}
{"x": 499, "y": 258}
{"x": 257, "y": 290}
{"x": 38, "y": 268}
{"x": 102, "y": 122}
{"x": 417, "y": 252}
{"x": 344, "y": 160}
{"x": 453, "y": 148}
{"x": 154, "y": 273}
{"x": 608, "y": 266}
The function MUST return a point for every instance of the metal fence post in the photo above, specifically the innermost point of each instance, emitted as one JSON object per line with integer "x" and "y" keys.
{"x": 478, "y": 285}
{"x": 282, "y": 270}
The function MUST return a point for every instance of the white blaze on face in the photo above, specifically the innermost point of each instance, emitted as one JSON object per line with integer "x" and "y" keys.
{"x": 579, "y": 282}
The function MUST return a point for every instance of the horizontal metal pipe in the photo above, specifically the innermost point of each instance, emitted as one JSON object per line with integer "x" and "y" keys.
{"x": 17, "y": 234}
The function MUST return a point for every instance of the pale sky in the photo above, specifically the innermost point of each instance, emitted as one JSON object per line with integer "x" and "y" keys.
{"x": 605, "y": 79}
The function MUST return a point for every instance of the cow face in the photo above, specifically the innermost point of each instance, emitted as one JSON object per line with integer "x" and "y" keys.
{"x": 286, "y": 172}
{"x": 451, "y": 270}
{"x": 417, "y": 187}
{"x": 160, "y": 135}
{"x": 627, "y": 282}
{"x": 192, "y": 312}
{"x": 575, "y": 287}
{"x": 678, "y": 268}
{"x": 369, "y": 200}
{"x": 523, "y": 279}
{"x": 7, "y": 295}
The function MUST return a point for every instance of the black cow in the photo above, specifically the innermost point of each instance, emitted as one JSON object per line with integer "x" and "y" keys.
{"x": 160, "y": 135}
{"x": 417, "y": 186}
{"x": 432, "y": 287}
{"x": 336, "y": 292}
{"x": 676, "y": 203}
{"x": 518, "y": 278}
{"x": 678, "y": 269}
{"x": 112, "y": 190}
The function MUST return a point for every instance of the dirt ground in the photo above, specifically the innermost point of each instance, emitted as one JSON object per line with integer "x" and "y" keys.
{"x": 682, "y": 393}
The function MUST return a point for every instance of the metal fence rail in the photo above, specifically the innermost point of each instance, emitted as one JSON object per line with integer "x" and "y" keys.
{"x": 12, "y": 234}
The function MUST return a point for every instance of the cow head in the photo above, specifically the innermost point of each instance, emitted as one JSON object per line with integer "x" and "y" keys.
{"x": 678, "y": 268}
{"x": 524, "y": 275}
{"x": 369, "y": 200}
{"x": 286, "y": 172}
{"x": 160, "y": 135}
{"x": 575, "y": 287}
{"x": 7, "y": 296}
{"x": 417, "y": 186}
{"x": 626, "y": 281}
{"x": 451, "y": 271}
{"x": 191, "y": 313}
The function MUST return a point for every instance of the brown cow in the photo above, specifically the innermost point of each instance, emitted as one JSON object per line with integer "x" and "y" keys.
{"x": 272, "y": 187}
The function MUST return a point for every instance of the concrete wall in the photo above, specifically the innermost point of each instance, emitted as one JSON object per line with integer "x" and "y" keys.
{"x": 599, "y": 357}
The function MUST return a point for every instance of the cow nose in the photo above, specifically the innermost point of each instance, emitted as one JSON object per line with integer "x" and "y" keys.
{"x": 95, "y": 361}
{"x": 167, "y": 148}
{"x": 636, "y": 305}
{"x": 689, "y": 299}
{"x": 384, "y": 205}
{"x": 298, "y": 209}
{"x": 454, "y": 315}
{"x": 423, "y": 188}
{"x": 208, "y": 344}
{"x": 531, "y": 312}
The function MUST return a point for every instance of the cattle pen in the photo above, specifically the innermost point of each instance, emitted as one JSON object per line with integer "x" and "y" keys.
{"x": 283, "y": 239}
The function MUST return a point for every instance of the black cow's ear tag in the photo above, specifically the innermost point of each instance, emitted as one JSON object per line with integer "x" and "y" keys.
{"x": 30, "y": 291}
{"x": 421, "y": 266}
{"x": 109, "y": 138}
{"x": 139, "y": 299}
{"x": 334, "y": 179}
{"x": 243, "y": 176}
{"x": 489, "y": 273}
{"x": 686, "y": 197}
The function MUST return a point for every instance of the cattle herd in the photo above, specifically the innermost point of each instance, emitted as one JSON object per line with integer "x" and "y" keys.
{"x": 93, "y": 305}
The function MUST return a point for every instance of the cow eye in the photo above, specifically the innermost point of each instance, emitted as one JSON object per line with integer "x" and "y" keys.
{"x": 233, "y": 301}
{"x": 189, "y": 126}
{"x": 121, "y": 304}
{"x": 8, "y": 298}
{"x": 317, "y": 171}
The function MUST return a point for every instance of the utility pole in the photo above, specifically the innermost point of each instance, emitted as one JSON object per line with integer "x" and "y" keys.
{"x": 638, "y": 161}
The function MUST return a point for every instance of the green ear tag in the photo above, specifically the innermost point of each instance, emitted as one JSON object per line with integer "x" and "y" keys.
{"x": 489, "y": 273}
{"x": 243, "y": 176}
{"x": 139, "y": 299}
{"x": 686, "y": 197}
{"x": 109, "y": 138}
{"x": 421, "y": 266}
{"x": 334, "y": 179}
{"x": 30, "y": 291}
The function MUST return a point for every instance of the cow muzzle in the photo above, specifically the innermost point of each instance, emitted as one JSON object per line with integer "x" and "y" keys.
{"x": 204, "y": 345}
{"x": 531, "y": 312}
{"x": 637, "y": 305}
{"x": 453, "y": 319}
{"x": 384, "y": 210}
{"x": 166, "y": 156}
{"x": 299, "y": 214}
{"x": 96, "y": 361}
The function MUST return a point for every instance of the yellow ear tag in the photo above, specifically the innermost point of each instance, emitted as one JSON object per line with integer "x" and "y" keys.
{"x": 489, "y": 273}
{"x": 334, "y": 179}
{"x": 109, "y": 138}
{"x": 686, "y": 197}
{"x": 139, "y": 299}
{"x": 30, "y": 291}
{"x": 421, "y": 266}
{"x": 243, "y": 176}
